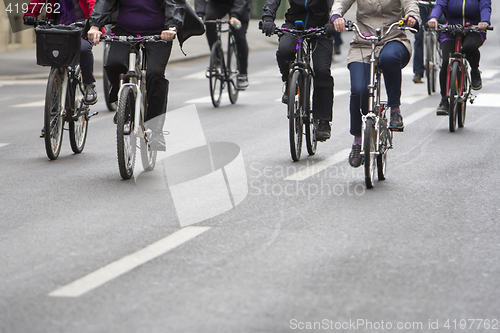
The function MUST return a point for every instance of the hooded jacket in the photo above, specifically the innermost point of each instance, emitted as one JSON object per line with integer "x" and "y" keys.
{"x": 314, "y": 13}
{"x": 240, "y": 9}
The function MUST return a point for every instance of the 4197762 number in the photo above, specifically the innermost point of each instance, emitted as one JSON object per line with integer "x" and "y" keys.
{"x": 462, "y": 324}
{"x": 40, "y": 6}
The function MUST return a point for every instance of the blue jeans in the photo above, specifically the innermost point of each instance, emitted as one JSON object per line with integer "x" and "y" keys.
{"x": 393, "y": 58}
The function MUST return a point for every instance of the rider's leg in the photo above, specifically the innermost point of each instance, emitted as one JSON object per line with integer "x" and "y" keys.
{"x": 418, "y": 47}
{"x": 447, "y": 47}
{"x": 284, "y": 55}
{"x": 116, "y": 64}
{"x": 87, "y": 68}
{"x": 470, "y": 48}
{"x": 214, "y": 11}
{"x": 240, "y": 37}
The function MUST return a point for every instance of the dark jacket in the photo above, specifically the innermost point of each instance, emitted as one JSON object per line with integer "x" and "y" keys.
{"x": 239, "y": 9}
{"x": 312, "y": 12}
{"x": 178, "y": 14}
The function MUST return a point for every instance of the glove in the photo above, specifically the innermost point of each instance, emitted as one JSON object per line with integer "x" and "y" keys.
{"x": 329, "y": 30}
{"x": 29, "y": 20}
{"x": 268, "y": 28}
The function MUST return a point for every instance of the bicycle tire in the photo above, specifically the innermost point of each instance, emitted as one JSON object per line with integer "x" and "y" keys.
{"x": 216, "y": 73}
{"x": 148, "y": 155}
{"x": 462, "y": 107}
{"x": 295, "y": 113}
{"x": 105, "y": 80}
{"x": 78, "y": 129}
{"x": 429, "y": 63}
{"x": 53, "y": 112}
{"x": 232, "y": 70}
{"x": 126, "y": 142}
{"x": 310, "y": 123}
{"x": 382, "y": 157}
{"x": 454, "y": 90}
{"x": 369, "y": 152}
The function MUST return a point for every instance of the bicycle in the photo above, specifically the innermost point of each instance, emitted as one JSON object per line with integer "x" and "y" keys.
{"x": 432, "y": 52}
{"x": 299, "y": 85}
{"x": 64, "y": 97}
{"x": 220, "y": 71}
{"x": 132, "y": 107}
{"x": 458, "y": 81}
{"x": 376, "y": 137}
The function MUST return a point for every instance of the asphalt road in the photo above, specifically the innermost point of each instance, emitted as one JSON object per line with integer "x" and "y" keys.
{"x": 419, "y": 249}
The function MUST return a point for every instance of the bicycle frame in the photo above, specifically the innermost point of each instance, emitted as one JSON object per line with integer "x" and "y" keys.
{"x": 458, "y": 56}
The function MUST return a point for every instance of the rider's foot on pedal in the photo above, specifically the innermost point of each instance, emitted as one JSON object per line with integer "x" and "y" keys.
{"x": 323, "y": 131}
{"x": 475, "y": 78}
{"x": 242, "y": 81}
{"x": 42, "y": 133}
{"x": 396, "y": 123}
{"x": 417, "y": 78}
{"x": 284, "y": 98}
{"x": 355, "y": 158}
{"x": 442, "y": 109}
{"x": 158, "y": 141}
{"x": 115, "y": 121}
{"x": 90, "y": 97}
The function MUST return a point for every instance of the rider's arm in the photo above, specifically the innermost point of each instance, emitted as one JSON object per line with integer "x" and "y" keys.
{"x": 411, "y": 10}
{"x": 270, "y": 9}
{"x": 485, "y": 9}
{"x": 338, "y": 10}
{"x": 239, "y": 9}
{"x": 438, "y": 10}
{"x": 199, "y": 8}
{"x": 101, "y": 13}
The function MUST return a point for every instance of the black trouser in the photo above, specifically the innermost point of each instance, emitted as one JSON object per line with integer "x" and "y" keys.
{"x": 216, "y": 11}
{"x": 470, "y": 47}
{"x": 323, "y": 80}
{"x": 87, "y": 62}
{"x": 157, "y": 55}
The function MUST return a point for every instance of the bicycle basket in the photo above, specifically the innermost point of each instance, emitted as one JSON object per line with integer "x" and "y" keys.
{"x": 58, "y": 46}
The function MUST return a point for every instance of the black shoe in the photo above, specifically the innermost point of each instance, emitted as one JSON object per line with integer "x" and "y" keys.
{"x": 158, "y": 141}
{"x": 396, "y": 123}
{"x": 284, "y": 98}
{"x": 242, "y": 81}
{"x": 355, "y": 158}
{"x": 323, "y": 131}
{"x": 42, "y": 133}
{"x": 336, "y": 48}
{"x": 417, "y": 78}
{"x": 475, "y": 78}
{"x": 442, "y": 109}
{"x": 90, "y": 95}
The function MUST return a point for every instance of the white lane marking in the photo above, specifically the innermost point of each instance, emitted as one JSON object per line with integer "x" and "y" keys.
{"x": 32, "y": 104}
{"x": 124, "y": 265}
{"x": 417, "y": 115}
{"x": 489, "y": 73}
{"x": 411, "y": 99}
{"x": 22, "y": 82}
{"x": 195, "y": 76}
{"x": 336, "y": 93}
{"x": 320, "y": 166}
{"x": 488, "y": 100}
{"x": 201, "y": 100}
{"x": 3, "y": 144}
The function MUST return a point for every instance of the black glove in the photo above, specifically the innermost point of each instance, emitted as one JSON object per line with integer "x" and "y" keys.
{"x": 268, "y": 28}
{"x": 30, "y": 20}
{"x": 329, "y": 30}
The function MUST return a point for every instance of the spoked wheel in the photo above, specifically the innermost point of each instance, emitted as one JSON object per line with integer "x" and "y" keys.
{"x": 310, "y": 123}
{"x": 369, "y": 139}
{"x": 78, "y": 127}
{"x": 125, "y": 137}
{"x": 105, "y": 80}
{"x": 454, "y": 97}
{"x": 462, "y": 106}
{"x": 216, "y": 73}
{"x": 429, "y": 64}
{"x": 54, "y": 112}
{"x": 232, "y": 70}
{"x": 148, "y": 155}
{"x": 384, "y": 149}
{"x": 295, "y": 114}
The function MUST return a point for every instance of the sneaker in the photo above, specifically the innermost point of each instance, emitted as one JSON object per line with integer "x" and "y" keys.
{"x": 442, "y": 109}
{"x": 284, "y": 98}
{"x": 90, "y": 95}
{"x": 417, "y": 78}
{"x": 158, "y": 141}
{"x": 242, "y": 81}
{"x": 396, "y": 123}
{"x": 323, "y": 130}
{"x": 355, "y": 158}
{"x": 475, "y": 77}
{"x": 336, "y": 48}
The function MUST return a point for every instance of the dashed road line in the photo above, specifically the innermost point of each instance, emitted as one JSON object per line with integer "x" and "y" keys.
{"x": 320, "y": 166}
{"x": 3, "y": 144}
{"x": 32, "y": 104}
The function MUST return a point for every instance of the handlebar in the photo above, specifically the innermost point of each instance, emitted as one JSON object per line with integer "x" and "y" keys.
{"x": 457, "y": 29}
{"x": 304, "y": 33}
{"x": 50, "y": 23}
{"x": 131, "y": 39}
{"x": 352, "y": 26}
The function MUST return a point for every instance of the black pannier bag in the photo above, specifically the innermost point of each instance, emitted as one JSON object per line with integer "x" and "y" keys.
{"x": 58, "y": 46}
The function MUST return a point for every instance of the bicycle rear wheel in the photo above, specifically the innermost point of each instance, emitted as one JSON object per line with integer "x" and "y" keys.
{"x": 310, "y": 124}
{"x": 462, "y": 106}
{"x": 232, "y": 70}
{"x": 454, "y": 96}
{"x": 384, "y": 149}
{"x": 126, "y": 142}
{"x": 369, "y": 140}
{"x": 295, "y": 113}
{"x": 216, "y": 73}
{"x": 148, "y": 155}
{"x": 78, "y": 128}
{"x": 105, "y": 80}
{"x": 54, "y": 111}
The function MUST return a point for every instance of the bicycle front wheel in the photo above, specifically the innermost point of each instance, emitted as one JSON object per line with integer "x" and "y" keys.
{"x": 454, "y": 96}
{"x": 295, "y": 113}
{"x": 148, "y": 155}
{"x": 216, "y": 73}
{"x": 125, "y": 138}
{"x": 78, "y": 124}
{"x": 54, "y": 109}
{"x": 370, "y": 154}
{"x": 310, "y": 124}
{"x": 462, "y": 106}
{"x": 232, "y": 70}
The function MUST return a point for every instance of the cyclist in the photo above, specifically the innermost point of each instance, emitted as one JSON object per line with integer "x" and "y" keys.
{"x": 239, "y": 12}
{"x": 145, "y": 17}
{"x": 70, "y": 12}
{"x": 394, "y": 55}
{"x": 418, "y": 45}
{"x": 475, "y": 12}
{"x": 313, "y": 13}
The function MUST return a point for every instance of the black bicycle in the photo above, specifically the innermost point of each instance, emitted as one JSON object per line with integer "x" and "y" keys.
{"x": 432, "y": 53}
{"x": 223, "y": 71}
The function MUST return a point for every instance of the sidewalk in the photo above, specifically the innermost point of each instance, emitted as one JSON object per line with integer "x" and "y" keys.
{"x": 21, "y": 64}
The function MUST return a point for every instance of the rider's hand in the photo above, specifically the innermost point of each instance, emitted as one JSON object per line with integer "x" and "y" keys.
{"x": 339, "y": 24}
{"x": 169, "y": 35}
{"x": 482, "y": 26}
{"x": 29, "y": 20}
{"x": 410, "y": 21}
{"x": 235, "y": 23}
{"x": 94, "y": 35}
{"x": 268, "y": 28}
{"x": 329, "y": 30}
{"x": 432, "y": 23}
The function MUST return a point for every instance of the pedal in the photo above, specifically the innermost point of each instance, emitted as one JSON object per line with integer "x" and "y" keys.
{"x": 93, "y": 114}
{"x": 397, "y": 129}
{"x": 441, "y": 113}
